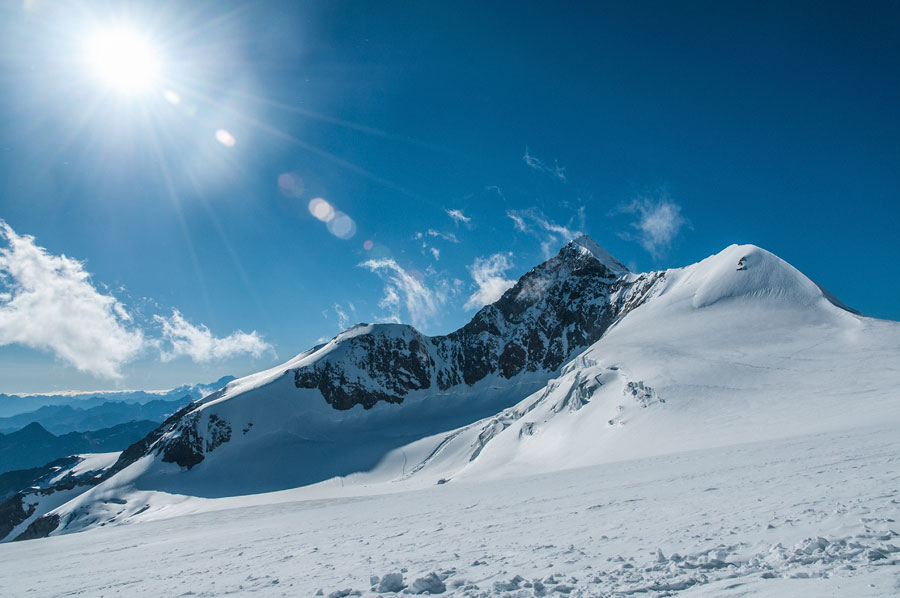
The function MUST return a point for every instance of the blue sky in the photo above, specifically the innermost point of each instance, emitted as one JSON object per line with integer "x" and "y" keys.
{"x": 455, "y": 145}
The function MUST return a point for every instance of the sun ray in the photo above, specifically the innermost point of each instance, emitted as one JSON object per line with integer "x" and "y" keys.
{"x": 176, "y": 206}
{"x": 242, "y": 273}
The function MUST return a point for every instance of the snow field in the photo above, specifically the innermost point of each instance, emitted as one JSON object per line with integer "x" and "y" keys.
{"x": 814, "y": 515}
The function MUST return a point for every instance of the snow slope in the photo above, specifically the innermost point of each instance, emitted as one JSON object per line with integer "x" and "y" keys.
{"x": 735, "y": 385}
{"x": 721, "y": 355}
{"x": 804, "y": 516}
{"x": 737, "y": 348}
{"x": 384, "y": 385}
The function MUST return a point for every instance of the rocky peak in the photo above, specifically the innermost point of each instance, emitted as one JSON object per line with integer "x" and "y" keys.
{"x": 557, "y": 308}
{"x": 586, "y": 247}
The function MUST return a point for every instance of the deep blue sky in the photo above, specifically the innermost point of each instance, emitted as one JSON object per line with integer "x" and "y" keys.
{"x": 775, "y": 124}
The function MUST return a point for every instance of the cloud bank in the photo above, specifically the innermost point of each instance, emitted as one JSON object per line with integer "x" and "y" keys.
{"x": 198, "y": 343}
{"x": 49, "y": 303}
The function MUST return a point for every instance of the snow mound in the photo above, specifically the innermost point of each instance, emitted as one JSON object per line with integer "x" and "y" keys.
{"x": 747, "y": 271}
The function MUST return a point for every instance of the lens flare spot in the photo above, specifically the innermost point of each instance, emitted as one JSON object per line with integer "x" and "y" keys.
{"x": 225, "y": 138}
{"x": 342, "y": 226}
{"x": 290, "y": 184}
{"x": 368, "y": 245}
{"x": 172, "y": 97}
{"x": 321, "y": 209}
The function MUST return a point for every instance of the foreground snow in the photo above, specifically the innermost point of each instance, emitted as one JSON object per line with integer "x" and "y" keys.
{"x": 813, "y": 515}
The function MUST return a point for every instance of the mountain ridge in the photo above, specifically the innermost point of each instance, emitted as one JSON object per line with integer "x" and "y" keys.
{"x": 34, "y": 445}
{"x": 12, "y": 405}
{"x": 664, "y": 335}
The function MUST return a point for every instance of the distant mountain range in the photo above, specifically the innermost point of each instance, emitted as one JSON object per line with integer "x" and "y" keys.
{"x": 87, "y": 424}
{"x": 11, "y": 404}
{"x": 33, "y": 446}
{"x": 62, "y": 419}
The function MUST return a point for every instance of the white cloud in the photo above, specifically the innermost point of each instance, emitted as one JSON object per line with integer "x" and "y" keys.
{"x": 198, "y": 343}
{"x": 518, "y": 221}
{"x": 488, "y": 276}
{"x": 458, "y": 216}
{"x": 445, "y": 236}
{"x": 556, "y": 171}
{"x": 343, "y": 318}
{"x": 657, "y": 225}
{"x": 550, "y": 234}
{"x": 436, "y": 253}
{"x": 403, "y": 289}
{"x": 50, "y": 304}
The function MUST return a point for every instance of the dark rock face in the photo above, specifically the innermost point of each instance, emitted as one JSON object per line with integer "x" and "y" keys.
{"x": 39, "y": 528}
{"x": 143, "y": 446}
{"x": 219, "y": 432}
{"x": 186, "y": 447}
{"x": 399, "y": 363}
{"x": 563, "y": 305}
{"x": 179, "y": 440}
{"x": 13, "y": 511}
{"x": 556, "y": 309}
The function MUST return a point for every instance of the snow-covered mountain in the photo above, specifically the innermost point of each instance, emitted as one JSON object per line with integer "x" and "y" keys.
{"x": 580, "y": 363}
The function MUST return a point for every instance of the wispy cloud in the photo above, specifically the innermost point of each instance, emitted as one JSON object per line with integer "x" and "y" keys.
{"x": 440, "y": 235}
{"x": 556, "y": 171}
{"x": 496, "y": 189}
{"x": 406, "y": 289}
{"x": 488, "y": 274}
{"x": 50, "y": 304}
{"x": 518, "y": 221}
{"x": 343, "y": 318}
{"x": 457, "y": 216}
{"x": 658, "y": 222}
{"x": 434, "y": 234}
{"x": 549, "y": 233}
{"x": 181, "y": 338}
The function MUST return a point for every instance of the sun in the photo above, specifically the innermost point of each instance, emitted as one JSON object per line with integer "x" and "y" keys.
{"x": 124, "y": 60}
